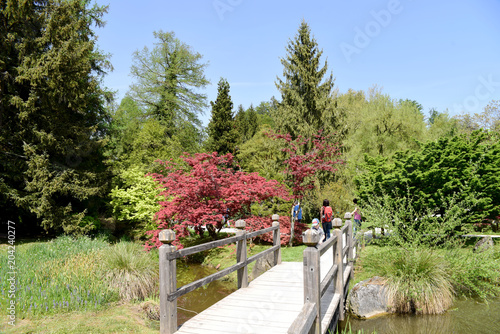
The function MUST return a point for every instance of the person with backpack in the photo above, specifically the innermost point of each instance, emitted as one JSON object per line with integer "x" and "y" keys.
{"x": 297, "y": 212}
{"x": 326, "y": 214}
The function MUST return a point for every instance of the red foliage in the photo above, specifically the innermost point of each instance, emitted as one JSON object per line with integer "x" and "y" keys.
{"x": 300, "y": 167}
{"x": 205, "y": 191}
{"x": 259, "y": 223}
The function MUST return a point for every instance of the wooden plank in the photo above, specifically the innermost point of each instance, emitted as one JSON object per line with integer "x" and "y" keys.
{"x": 327, "y": 244}
{"x": 205, "y": 280}
{"x": 326, "y": 282}
{"x": 304, "y": 320}
{"x": 263, "y": 253}
{"x": 259, "y": 232}
{"x": 203, "y": 247}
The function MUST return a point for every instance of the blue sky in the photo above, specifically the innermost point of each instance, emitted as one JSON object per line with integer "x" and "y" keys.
{"x": 443, "y": 54}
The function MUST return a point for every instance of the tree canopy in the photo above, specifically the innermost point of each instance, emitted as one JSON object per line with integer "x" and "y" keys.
{"x": 52, "y": 112}
{"x": 460, "y": 168}
{"x": 167, "y": 81}
{"x": 307, "y": 99}
{"x": 222, "y": 136}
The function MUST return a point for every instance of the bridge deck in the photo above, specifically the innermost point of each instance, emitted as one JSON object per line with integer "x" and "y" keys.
{"x": 269, "y": 304}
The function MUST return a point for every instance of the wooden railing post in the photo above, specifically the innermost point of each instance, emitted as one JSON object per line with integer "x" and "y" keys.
{"x": 312, "y": 279}
{"x": 339, "y": 261}
{"x": 277, "y": 239}
{"x": 241, "y": 254}
{"x": 168, "y": 283}
{"x": 350, "y": 240}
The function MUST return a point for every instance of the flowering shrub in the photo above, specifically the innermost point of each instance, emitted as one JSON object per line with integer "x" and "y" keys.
{"x": 259, "y": 223}
{"x": 204, "y": 191}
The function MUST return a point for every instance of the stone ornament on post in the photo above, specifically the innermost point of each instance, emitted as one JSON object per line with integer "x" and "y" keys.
{"x": 310, "y": 238}
{"x": 337, "y": 223}
{"x": 168, "y": 283}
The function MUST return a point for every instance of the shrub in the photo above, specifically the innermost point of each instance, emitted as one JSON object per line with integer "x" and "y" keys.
{"x": 259, "y": 223}
{"x": 132, "y": 272}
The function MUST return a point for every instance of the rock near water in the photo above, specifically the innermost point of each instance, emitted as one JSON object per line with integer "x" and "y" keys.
{"x": 368, "y": 298}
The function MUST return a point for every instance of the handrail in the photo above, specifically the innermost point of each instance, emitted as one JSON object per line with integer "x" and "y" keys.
{"x": 324, "y": 247}
{"x": 168, "y": 255}
{"x": 304, "y": 320}
{"x": 337, "y": 277}
{"x": 206, "y": 246}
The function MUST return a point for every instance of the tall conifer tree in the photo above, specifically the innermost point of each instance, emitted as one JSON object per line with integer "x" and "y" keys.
{"x": 307, "y": 102}
{"x": 52, "y": 112}
{"x": 221, "y": 129}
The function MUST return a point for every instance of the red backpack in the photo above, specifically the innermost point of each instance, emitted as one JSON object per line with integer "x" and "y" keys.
{"x": 327, "y": 214}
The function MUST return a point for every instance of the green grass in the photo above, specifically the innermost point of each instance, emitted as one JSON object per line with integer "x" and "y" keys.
{"x": 61, "y": 275}
{"x": 116, "y": 318}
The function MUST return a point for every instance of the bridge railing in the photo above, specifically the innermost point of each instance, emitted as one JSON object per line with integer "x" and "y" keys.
{"x": 342, "y": 245}
{"x": 168, "y": 273}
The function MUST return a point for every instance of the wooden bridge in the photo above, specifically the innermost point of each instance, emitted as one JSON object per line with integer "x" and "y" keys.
{"x": 291, "y": 297}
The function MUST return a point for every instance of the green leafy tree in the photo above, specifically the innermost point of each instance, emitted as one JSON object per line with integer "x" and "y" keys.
{"x": 381, "y": 126}
{"x": 52, "y": 113}
{"x": 449, "y": 170}
{"x": 264, "y": 113}
{"x": 222, "y": 134}
{"x": 488, "y": 119}
{"x": 246, "y": 123}
{"x": 441, "y": 125}
{"x": 307, "y": 99}
{"x": 167, "y": 82}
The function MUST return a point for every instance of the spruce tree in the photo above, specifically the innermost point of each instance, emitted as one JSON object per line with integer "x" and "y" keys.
{"x": 307, "y": 101}
{"x": 222, "y": 135}
{"x": 253, "y": 122}
{"x": 52, "y": 115}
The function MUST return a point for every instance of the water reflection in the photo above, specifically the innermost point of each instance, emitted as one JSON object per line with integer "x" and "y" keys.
{"x": 200, "y": 299}
{"x": 465, "y": 317}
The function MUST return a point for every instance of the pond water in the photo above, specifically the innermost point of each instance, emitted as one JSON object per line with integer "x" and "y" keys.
{"x": 465, "y": 317}
{"x": 198, "y": 300}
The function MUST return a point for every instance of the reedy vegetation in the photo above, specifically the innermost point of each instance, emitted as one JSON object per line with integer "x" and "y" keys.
{"x": 424, "y": 259}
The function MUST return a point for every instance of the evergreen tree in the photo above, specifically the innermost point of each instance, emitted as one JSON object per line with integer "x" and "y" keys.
{"x": 222, "y": 135}
{"x": 241, "y": 124}
{"x": 307, "y": 102}
{"x": 52, "y": 113}
{"x": 253, "y": 123}
{"x": 167, "y": 79}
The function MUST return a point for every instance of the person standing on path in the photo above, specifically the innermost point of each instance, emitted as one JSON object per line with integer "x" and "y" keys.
{"x": 326, "y": 218}
{"x": 357, "y": 216}
{"x": 297, "y": 212}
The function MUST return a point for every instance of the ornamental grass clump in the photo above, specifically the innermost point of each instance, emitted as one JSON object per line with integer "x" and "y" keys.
{"x": 131, "y": 271}
{"x": 418, "y": 282}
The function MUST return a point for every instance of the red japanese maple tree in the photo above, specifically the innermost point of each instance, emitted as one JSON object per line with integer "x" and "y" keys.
{"x": 320, "y": 155}
{"x": 205, "y": 190}
{"x": 306, "y": 158}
